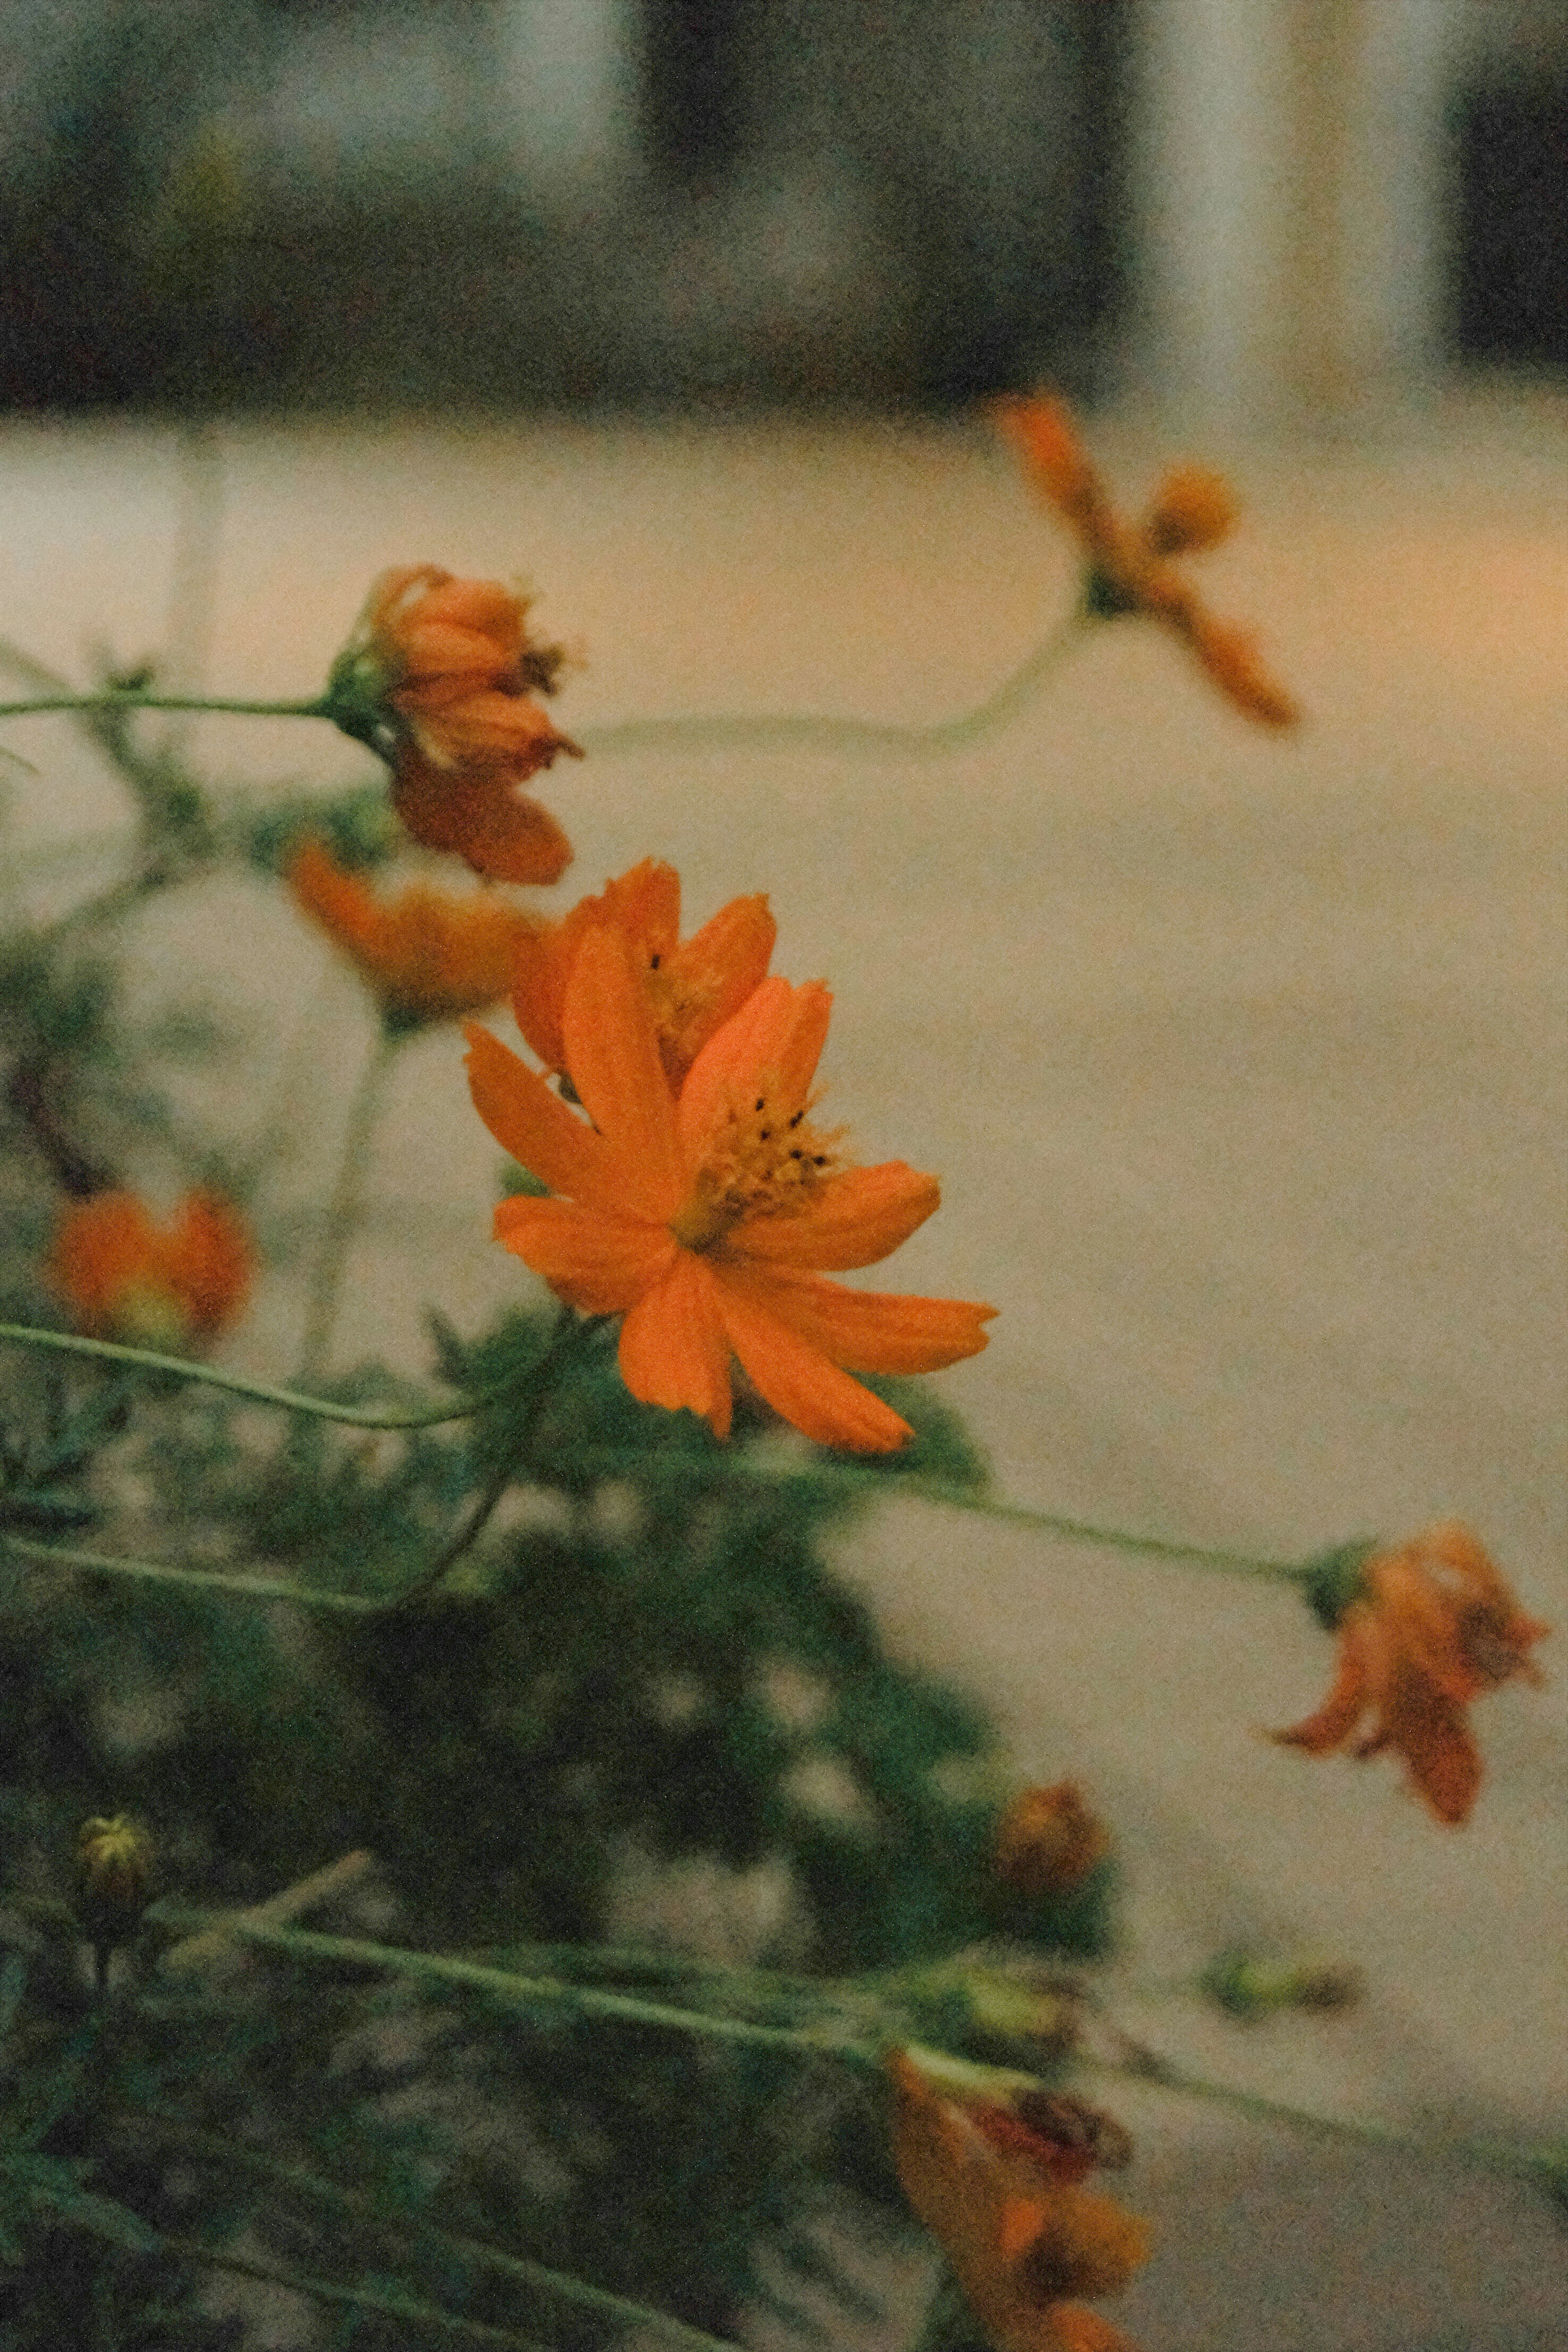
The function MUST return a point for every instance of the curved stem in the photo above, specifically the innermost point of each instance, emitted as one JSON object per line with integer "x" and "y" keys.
{"x": 344, "y": 1210}
{"x": 818, "y": 732}
{"x": 109, "y": 699}
{"x": 557, "y": 2286}
{"x": 1142, "y": 2065}
{"x": 533, "y": 1397}
{"x": 435, "y": 1968}
{"x": 148, "y": 1360}
{"x": 736, "y": 1471}
{"x": 217, "y": 1579}
{"x": 408, "y": 2308}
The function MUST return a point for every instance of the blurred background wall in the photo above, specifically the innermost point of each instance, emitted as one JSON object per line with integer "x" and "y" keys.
{"x": 1254, "y": 207}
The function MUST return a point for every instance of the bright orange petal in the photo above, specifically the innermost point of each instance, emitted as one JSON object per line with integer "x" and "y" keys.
{"x": 539, "y": 964}
{"x": 478, "y": 817}
{"x": 778, "y": 1034}
{"x": 1432, "y": 1734}
{"x": 725, "y": 962}
{"x": 537, "y": 1128}
{"x": 1349, "y": 1694}
{"x": 1041, "y": 429}
{"x": 602, "y": 1263}
{"x": 612, "y": 1055}
{"x": 799, "y": 1381}
{"x": 864, "y": 1330}
{"x": 673, "y": 1350}
{"x": 644, "y": 904}
{"x": 855, "y": 1219}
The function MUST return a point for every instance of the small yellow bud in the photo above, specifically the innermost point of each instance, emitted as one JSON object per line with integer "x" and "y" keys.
{"x": 114, "y": 1875}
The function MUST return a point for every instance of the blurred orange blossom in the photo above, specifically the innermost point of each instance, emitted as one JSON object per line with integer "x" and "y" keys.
{"x": 125, "y": 1277}
{"x": 1435, "y": 1627}
{"x": 425, "y": 955}
{"x": 693, "y": 985}
{"x": 1128, "y": 565}
{"x": 708, "y": 1218}
{"x": 995, "y": 2181}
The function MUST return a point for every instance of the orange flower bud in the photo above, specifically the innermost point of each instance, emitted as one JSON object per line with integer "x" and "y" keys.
{"x": 1194, "y": 509}
{"x": 1048, "y": 1841}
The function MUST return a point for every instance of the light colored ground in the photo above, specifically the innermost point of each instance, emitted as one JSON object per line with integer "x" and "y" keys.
{"x": 1244, "y": 1063}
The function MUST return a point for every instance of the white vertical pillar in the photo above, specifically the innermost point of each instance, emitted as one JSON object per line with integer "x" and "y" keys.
{"x": 1290, "y": 199}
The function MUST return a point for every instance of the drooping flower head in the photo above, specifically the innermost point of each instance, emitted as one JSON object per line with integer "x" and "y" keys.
{"x": 1432, "y": 1627}
{"x": 994, "y": 2174}
{"x": 709, "y": 1218}
{"x": 693, "y": 986}
{"x": 124, "y": 1276}
{"x": 440, "y": 677}
{"x": 1130, "y": 567}
{"x": 426, "y": 955}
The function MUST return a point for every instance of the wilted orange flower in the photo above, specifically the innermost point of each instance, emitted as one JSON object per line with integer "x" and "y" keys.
{"x": 1435, "y": 1627}
{"x": 1048, "y": 1841}
{"x": 994, "y": 2180}
{"x": 706, "y": 1218}
{"x": 439, "y": 675}
{"x": 426, "y": 955}
{"x": 1129, "y": 569}
{"x": 124, "y": 1277}
{"x": 693, "y": 985}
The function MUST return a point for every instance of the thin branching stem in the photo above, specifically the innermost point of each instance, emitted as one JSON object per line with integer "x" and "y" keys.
{"x": 148, "y": 1360}
{"x": 531, "y": 1398}
{"x": 435, "y": 1969}
{"x": 1146, "y": 2066}
{"x": 345, "y": 1207}
{"x": 819, "y": 731}
{"x": 734, "y": 1470}
{"x": 210, "y": 1579}
{"x": 407, "y": 2307}
{"x": 300, "y": 2182}
{"x": 128, "y": 698}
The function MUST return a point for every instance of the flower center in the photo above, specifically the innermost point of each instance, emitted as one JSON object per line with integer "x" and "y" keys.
{"x": 763, "y": 1160}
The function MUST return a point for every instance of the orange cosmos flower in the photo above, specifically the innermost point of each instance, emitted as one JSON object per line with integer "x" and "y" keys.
{"x": 439, "y": 677}
{"x": 1048, "y": 1841}
{"x": 706, "y": 1218}
{"x": 1129, "y": 569}
{"x": 994, "y": 2178}
{"x": 1435, "y": 1626}
{"x": 427, "y": 956}
{"x": 125, "y": 1277}
{"x": 693, "y": 985}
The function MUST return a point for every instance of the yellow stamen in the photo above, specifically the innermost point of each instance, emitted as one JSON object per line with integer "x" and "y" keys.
{"x": 765, "y": 1161}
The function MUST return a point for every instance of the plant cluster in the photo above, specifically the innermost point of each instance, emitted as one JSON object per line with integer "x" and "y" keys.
{"x": 342, "y": 1713}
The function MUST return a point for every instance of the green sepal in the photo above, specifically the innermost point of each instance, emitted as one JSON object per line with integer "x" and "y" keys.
{"x": 1332, "y": 1579}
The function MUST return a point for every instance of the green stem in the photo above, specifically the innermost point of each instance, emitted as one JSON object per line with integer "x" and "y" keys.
{"x": 159, "y": 1571}
{"x": 1146, "y": 2066}
{"x": 530, "y": 1399}
{"x": 734, "y": 1470}
{"x": 344, "y": 1210}
{"x": 108, "y": 698}
{"x": 573, "y": 2000}
{"x": 362, "y": 2298}
{"x": 148, "y": 1360}
{"x": 234, "y": 2156}
{"x": 818, "y": 732}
